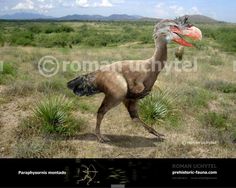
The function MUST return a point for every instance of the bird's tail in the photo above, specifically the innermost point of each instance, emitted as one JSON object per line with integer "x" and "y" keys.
{"x": 83, "y": 86}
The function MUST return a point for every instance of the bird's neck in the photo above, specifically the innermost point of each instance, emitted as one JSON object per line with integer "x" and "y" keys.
{"x": 160, "y": 55}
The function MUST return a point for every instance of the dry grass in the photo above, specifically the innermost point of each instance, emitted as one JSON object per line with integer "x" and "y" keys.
{"x": 21, "y": 135}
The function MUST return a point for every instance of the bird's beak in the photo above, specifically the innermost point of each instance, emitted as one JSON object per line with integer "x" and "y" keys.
{"x": 191, "y": 32}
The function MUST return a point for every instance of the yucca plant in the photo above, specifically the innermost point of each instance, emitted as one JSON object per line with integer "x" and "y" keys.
{"x": 55, "y": 115}
{"x": 157, "y": 106}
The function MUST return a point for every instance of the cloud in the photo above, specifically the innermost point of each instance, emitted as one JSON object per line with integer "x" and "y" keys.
{"x": 92, "y": 3}
{"x": 82, "y": 3}
{"x": 172, "y": 10}
{"x": 39, "y": 5}
{"x": 106, "y": 3}
{"x": 25, "y": 5}
{"x": 181, "y": 11}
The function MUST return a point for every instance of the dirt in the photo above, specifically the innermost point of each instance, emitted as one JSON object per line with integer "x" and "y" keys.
{"x": 11, "y": 115}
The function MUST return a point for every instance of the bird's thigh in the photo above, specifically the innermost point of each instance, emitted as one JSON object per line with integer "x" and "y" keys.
{"x": 116, "y": 86}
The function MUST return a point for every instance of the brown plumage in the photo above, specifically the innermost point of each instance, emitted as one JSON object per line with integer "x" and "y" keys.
{"x": 179, "y": 52}
{"x": 129, "y": 81}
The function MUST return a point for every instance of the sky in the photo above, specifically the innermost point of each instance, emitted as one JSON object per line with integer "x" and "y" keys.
{"x": 218, "y": 9}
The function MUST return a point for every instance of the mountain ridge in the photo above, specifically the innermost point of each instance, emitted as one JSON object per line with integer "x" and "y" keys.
{"x": 114, "y": 17}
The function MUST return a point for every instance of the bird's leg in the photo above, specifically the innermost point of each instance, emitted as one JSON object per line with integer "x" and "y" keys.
{"x": 107, "y": 104}
{"x": 132, "y": 108}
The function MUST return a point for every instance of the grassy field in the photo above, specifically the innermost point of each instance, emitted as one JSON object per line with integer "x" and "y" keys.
{"x": 40, "y": 117}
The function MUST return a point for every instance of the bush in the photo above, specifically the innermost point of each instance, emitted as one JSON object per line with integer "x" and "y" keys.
{"x": 55, "y": 115}
{"x": 157, "y": 107}
{"x": 1, "y": 40}
{"x": 8, "y": 71}
{"x": 22, "y": 38}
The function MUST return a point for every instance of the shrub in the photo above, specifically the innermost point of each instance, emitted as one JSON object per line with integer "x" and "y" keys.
{"x": 157, "y": 107}
{"x": 8, "y": 72}
{"x": 1, "y": 40}
{"x": 22, "y": 38}
{"x": 8, "y": 68}
{"x": 55, "y": 115}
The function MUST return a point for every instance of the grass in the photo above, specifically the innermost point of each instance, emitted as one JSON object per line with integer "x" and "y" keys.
{"x": 55, "y": 116}
{"x": 21, "y": 88}
{"x": 52, "y": 85}
{"x": 196, "y": 98}
{"x": 46, "y": 126}
{"x": 86, "y": 107}
{"x": 8, "y": 72}
{"x": 220, "y": 85}
{"x": 216, "y": 61}
{"x": 157, "y": 107}
{"x": 33, "y": 148}
{"x": 216, "y": 120}
{"x": 222, "y": 124}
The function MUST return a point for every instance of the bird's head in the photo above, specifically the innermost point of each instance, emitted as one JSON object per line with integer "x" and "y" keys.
{"x": 177, "y": 30}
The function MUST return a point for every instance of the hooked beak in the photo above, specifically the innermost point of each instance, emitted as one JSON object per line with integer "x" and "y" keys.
{"x": 191, "y": 32}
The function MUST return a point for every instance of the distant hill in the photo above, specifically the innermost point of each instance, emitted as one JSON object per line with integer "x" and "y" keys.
{"x": 82, "y": 17}
{"x": 113, "y": 17}
{"x": 201, "y": 19}
{"x": 24, "y": 16}
{"x": 123, "y": 17}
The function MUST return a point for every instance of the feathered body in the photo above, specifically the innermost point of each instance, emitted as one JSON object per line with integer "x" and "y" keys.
{"x": 128, "y": 81}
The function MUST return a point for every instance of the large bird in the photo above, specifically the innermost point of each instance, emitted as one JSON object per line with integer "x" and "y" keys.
{"x": 128, "y": 81}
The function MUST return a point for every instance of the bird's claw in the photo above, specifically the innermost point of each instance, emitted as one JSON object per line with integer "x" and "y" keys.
{"x": 154, "y": 132}
{"x": 103, "y": 139}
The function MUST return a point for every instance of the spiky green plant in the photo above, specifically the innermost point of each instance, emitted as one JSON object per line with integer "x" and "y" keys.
{"x": 55, "y": 115}
{"x": 157, "y": 106}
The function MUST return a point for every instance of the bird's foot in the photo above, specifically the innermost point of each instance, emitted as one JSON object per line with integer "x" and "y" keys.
{"x": 102, "y": 139}
{"x": 154, "y": 132}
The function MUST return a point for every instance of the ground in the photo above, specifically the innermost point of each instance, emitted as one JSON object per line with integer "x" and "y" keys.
{"x": 190, "y": 137}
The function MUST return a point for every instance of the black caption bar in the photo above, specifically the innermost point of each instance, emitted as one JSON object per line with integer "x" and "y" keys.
{"x": 117, "y": 173}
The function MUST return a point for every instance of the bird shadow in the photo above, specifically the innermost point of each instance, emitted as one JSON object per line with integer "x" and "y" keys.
{"x": 123, "y": 141}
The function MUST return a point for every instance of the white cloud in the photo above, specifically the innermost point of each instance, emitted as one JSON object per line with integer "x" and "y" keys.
{"x": 161, "y": 10}
{"x": 82, "y": 3}
{"x": 45, "y": 7}
{"x": 173, "y": 10}
{"x": 92, "y": 3}
{"x": 25, "y": 5}
{"x": 39, "y": 5}
{"x": 105, "y": 3}
{"x": 118, "y": 1}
